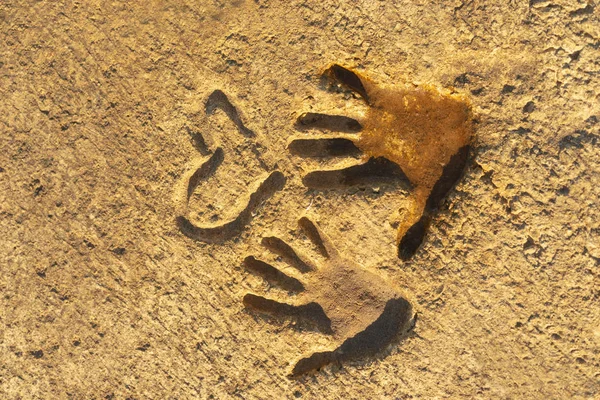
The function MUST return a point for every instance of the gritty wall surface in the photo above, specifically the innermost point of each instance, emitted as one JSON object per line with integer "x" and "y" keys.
{"x": 102, "y": 105}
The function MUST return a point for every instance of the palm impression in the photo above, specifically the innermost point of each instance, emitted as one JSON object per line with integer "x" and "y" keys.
{"x": 417, "y": 133}
{"x": 363, "y": 312}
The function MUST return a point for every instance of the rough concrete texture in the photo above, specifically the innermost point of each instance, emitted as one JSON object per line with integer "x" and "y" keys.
{"x": 101, "y": 108}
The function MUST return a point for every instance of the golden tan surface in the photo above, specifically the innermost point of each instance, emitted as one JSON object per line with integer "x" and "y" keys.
{"x": 103, "y": 109}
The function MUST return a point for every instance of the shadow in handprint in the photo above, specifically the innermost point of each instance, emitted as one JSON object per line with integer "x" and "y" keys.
{"x": 203, "y": 169}
{"x": 417, "y": 134}
{"x": 362, "y": 311}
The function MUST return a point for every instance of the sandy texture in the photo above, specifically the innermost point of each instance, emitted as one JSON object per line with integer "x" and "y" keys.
{"x": 102, "y": 105}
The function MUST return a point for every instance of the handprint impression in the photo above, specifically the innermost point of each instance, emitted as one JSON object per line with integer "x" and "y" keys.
{"x": 361, "y": 310}
{"x": 417, "y": 133}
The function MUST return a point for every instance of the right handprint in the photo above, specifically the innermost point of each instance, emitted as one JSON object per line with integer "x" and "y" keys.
{"x": 417, "y": 133}
{"x": 362, "y": 311}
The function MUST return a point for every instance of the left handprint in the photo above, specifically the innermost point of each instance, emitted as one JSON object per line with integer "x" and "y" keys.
{"x": 204, "y": 168}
